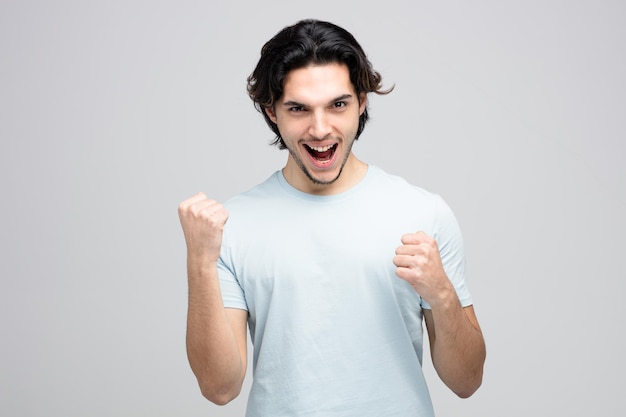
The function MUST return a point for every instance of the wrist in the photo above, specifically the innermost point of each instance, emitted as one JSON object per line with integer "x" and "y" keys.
{"x": 200, "y": 263}
{"x": 202, "y": 253}
{"x": 445, "y": 300}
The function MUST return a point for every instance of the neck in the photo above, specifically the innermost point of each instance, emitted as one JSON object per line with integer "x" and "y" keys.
{"x": 352, "y": 173}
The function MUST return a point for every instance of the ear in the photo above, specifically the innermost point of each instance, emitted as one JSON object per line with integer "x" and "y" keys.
{"x": 271, "y": 114}
{"x": 362, "y": 103}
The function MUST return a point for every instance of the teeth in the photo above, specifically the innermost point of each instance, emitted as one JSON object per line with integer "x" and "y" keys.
{"x": 320, "y": 148}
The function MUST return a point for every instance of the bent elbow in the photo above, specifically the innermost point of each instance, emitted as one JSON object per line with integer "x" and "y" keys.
{"x": 220, "y": 395}
{"x": 465, "y": 393}
{"x": 467, "y": 390}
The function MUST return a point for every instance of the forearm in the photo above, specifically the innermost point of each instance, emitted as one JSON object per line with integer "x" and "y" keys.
{"x": 458, "y": 349}
{"x": 212, "y": 347}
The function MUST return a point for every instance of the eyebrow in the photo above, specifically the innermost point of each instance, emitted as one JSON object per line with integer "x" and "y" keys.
{"x": 342, "y": 97}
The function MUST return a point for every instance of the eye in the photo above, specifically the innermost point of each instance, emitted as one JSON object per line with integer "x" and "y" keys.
{"x": 340, "y": 104}
{"x": 296, "y": 109}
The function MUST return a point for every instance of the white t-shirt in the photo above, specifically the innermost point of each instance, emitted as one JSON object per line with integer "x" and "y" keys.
{"x": 335, "y": 331}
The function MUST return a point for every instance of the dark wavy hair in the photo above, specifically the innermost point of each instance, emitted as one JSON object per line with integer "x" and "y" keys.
{"x": 309, "y": 42}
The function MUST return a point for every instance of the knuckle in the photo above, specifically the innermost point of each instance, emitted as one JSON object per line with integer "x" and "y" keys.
{"x": 184, "y": 209}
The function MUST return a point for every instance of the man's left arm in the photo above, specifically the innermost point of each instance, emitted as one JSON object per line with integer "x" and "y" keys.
{"x": 457, "y": 347}
{"x": 456, "y": 341}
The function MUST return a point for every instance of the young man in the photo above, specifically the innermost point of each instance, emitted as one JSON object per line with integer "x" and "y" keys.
{"x": 333, "y": 264}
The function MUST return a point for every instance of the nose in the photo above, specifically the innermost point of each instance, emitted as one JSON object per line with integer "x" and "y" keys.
{"x": 320, "y": 125}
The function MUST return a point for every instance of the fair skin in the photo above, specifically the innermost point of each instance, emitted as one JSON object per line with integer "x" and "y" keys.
{"x": 317, "y": 117}
{"x": 456, "y": 341}
{"x": 320, "y": 110}
{"x": 216, "y": 336}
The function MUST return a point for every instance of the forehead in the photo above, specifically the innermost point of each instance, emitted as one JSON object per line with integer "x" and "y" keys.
{"x": 317, "y": 83}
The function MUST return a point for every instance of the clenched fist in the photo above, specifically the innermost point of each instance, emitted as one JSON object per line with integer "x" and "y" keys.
{"x": 419, "y": 263}
{"x": 203, "y": 223}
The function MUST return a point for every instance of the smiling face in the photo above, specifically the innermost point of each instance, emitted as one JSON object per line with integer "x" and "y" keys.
{"x": 318, "y": 118}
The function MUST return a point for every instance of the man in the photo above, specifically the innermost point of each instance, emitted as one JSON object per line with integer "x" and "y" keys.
{"x": 333, "y": 264}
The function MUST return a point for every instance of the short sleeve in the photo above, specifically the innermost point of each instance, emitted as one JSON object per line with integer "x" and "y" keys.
{"x": 232, "y": 293}
{"x": 450, "y": 241}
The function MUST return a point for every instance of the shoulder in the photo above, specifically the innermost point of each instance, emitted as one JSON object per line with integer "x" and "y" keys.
{"x": 259, "y": 208}
{"x": 407, "y": 200}
{"x": 398, "y": 187}
{"x": 270, "y": 188}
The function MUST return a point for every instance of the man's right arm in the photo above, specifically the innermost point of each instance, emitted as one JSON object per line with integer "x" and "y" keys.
{"x": 216, "y": 336}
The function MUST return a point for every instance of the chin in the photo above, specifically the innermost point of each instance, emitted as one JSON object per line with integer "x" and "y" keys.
{"x": 325, "y": 179}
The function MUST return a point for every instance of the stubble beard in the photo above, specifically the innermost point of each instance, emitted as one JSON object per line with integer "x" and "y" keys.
{"x": 317, "y": 181}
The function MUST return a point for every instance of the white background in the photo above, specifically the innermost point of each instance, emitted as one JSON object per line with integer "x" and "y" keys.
{"x": 112, "y": 112}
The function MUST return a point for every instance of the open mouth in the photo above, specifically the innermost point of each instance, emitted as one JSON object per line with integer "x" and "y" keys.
{"x": 321, "y": 153}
